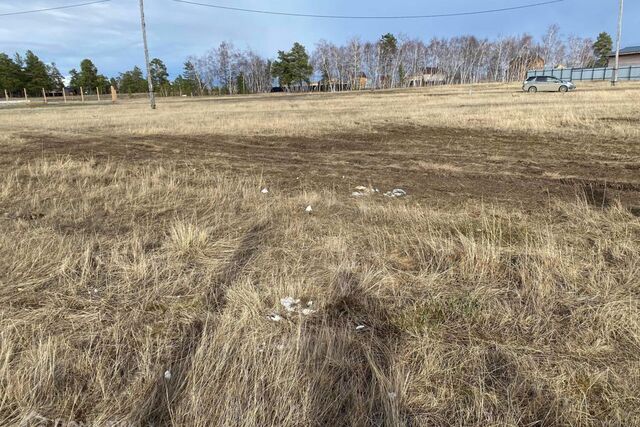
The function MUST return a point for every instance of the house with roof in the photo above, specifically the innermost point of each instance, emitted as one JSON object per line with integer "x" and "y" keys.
{"x": 427, "y": 77}
{"x": 335, "y": 85}
{"x": 629, "y": 56}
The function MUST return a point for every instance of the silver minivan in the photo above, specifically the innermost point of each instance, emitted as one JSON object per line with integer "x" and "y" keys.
{"x": 547, "y": 84}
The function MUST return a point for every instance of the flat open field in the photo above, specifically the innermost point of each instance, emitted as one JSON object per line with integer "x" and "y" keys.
{"x": 142, "y": 269}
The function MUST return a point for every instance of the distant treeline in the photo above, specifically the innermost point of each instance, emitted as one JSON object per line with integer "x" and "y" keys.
{"x": 396, "y": 61}
{"x": 390, "y": 62}
{"x": 31, "y": 73}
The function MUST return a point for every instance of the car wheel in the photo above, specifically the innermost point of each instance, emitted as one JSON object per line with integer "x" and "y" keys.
{"x": 533, "y": 89}
{"x": 563, "y": 89}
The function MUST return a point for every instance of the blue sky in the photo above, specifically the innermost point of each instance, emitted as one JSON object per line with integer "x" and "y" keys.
{"x": 109, "y": 33}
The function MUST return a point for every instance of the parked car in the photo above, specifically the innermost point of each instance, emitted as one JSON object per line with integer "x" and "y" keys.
{"x": 547, "y": 84}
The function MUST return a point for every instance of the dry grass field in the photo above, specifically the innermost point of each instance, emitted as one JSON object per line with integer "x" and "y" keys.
{"x": 142, "y": 269}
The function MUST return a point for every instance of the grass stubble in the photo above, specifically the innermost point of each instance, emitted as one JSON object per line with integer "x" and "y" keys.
{"x": 138, "y": 292}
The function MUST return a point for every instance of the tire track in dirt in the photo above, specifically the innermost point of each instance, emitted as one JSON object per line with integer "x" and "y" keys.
{"x": 442, "y": 165}
{"x": 166, "y": 395}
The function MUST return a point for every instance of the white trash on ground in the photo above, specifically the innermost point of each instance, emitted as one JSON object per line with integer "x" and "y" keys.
{"x": 167, "y": 374}
{"x": 361, "y": 191}
{"x": 359, "y": 327}
{"x": 308, "y": 209}
{"x": 293, "y": 305}
{"x": 264, "y": 191}
{"x": 275, "y": 317}
{"x": 396, "y": 192}
{"x": 290, "y": 303}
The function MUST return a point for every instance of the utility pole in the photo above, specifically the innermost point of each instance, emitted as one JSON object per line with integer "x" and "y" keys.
{"x": 152, "y": 98}
{"x": 615, "y": 70}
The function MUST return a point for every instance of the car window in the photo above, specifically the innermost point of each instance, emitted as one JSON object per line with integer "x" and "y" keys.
{"x": 541, "y": 79}
{"x": 530, "y": 79}
{"x": 553, "y": 79}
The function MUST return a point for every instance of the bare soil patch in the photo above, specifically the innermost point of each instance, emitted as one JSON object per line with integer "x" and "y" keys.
{"x": 442, "y": 165}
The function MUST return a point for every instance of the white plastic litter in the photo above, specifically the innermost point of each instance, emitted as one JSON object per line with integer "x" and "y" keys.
{"x": 293, "y": 305}
{"x": 308, "y": 209}
{"x": 359, "y": 327}
{"x": 264, "y": 191}
{"x": 275, "y": 317}
{"x": 290, "y": 303}
{"x": 396, "y": 192}
{"x": 361, "y": 190}
{"x": 167, "y": 374}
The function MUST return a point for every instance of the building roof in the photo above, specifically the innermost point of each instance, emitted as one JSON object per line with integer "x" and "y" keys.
{"x": 630, "y": 50}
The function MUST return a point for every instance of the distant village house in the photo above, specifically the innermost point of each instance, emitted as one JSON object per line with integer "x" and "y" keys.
{"x": 428, "y": 77}
{"x": 629, "y": 56}
{"x": 334, "y": 85}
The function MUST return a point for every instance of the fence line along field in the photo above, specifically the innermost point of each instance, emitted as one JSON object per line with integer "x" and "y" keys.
{"x": 161, "y": 268}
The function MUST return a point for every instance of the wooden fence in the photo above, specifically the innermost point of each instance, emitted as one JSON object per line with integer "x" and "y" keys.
{"x": 63, "y": 96}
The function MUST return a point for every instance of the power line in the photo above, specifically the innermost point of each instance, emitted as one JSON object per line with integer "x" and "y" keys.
{"x": 308, "y": 15}
{"x": 54, "y": 8}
